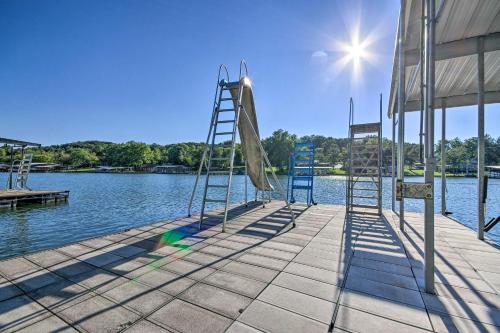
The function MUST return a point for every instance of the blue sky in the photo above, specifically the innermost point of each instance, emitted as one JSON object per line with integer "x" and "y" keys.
{"x": 144, "y": 70}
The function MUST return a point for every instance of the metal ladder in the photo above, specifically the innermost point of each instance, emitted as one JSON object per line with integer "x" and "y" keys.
{"x": 364, "y": 177}
{"x": 301, "y": 171}
{"x": 23, "y": 170}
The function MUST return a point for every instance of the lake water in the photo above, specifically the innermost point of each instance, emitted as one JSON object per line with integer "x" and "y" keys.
{"x": 105, "y": 203}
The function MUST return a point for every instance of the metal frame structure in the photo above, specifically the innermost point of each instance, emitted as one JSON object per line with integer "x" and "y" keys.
{"x": 23, "y": 164}
{"x": 207, "y": 158}
{"x": 459, "y": 43}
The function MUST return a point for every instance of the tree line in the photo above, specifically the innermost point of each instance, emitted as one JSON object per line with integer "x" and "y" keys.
{"x": 329, "y": 150}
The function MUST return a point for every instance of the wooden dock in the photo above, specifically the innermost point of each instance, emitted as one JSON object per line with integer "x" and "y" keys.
{"x": 11, "y": 198}
{"x": 330, "y": 273}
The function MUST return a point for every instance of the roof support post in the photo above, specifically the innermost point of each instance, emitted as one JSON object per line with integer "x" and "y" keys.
{"x": 393, "y": 164}
{"x": 480, "y": 139}
{"x": 401, "y": 107}
{"x": 443, "y": 157}
{"x": 429, "y": 146}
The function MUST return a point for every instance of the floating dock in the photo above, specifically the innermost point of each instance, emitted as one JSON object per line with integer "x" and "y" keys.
{"x": 329, "y": 273}
{"x": 11, "y": 198}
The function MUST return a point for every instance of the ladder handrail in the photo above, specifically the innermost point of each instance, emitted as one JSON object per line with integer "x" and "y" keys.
{"x": 243, "y": 64}
{"x": 204, "y": 155}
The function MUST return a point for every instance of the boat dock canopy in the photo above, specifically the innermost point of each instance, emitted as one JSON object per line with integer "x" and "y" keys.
{"x": 18, "y": 143}
{"x": 463, "y": 30}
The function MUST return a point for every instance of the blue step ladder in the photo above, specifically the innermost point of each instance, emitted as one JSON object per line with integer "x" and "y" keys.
{"x": 301, "y": 171}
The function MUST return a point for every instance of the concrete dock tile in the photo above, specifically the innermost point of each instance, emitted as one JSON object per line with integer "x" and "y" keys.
{"x": 251, "y": 271}
{"x": 233, "y": 245}
{"x": 315, "y": 273}
{"x": 60, "y": 296}
{"x": 188, "y": 269}
{"x": 38, "y": 279}
{"x": 379, "y": 276}
{"x": 462, "y": 309}
{"x": 97, "y": 243}
{"x": 138, "y": 297}
{"x": 123, "y": 250}
{"x": 8, "y": 289}
{"x": 383, "y": 290}
{"x": 282, "y": 246}
{"x": 382, "y": 266}
{"x": 17, "y": 266}
{"x": 386, "y": 308}
{"x": 450, "y": 324}
{"x": 71, "y": 268}
{"x": 224, "y": 302}
{"x": 468, "y": 295}
{"x": 144, "y": 326}
{"x": 75, "y": 250}
{"x": 272, "y": 253}
{"x": 307, "y": 286}
{"x": 267, "y": 262}
{"x": 220, "y": 251}
{"x": 19, "y": 312}
{"x": 47, "y": 258}
{"x": 309, "y": 306}
{"x": 237, "y": 283}
{"x": 337, "y": 264}
{"x": 49, "y": 324}
{"x": 273, "y": 319}
{"x": 238, "y": 327}
{"x": 98, "y": 280}
{"x": 171, "y": 283}
{"x": 353, "y": 320}
{"x": 125, "y": 267}
{"x": 99, "y": 258}
{"x": 97, "y": 314}
{"x": 206, "y": 259}
{"x": 187, "y": 318}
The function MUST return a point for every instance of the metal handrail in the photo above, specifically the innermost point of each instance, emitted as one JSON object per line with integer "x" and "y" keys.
{"x": 243, "y": 64}
{"x": 348, "y": 164}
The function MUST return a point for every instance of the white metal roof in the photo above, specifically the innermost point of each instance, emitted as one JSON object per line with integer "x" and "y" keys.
{"x": 460, "y": 25}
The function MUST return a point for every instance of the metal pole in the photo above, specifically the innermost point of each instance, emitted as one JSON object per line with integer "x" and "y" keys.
{"x": 393, "y": 163}
{"x": 246, "y": 184}
{"x": 422, "y": 61}
{"x": 480, "y": 139}
{"x": 443, "y": 157}
{"x": 11, "y": 167}
{"x": 401, "y": 106}
{"x": 429, "y": 149}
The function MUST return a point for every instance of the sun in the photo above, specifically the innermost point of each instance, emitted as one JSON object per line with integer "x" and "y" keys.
{"x": 355, "y": 52}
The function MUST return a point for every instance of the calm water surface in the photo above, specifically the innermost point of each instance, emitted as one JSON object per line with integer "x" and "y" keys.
{"x": 104, "y": 203}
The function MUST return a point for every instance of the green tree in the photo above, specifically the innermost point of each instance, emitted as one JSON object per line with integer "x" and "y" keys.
{"x": 81, "y": 157}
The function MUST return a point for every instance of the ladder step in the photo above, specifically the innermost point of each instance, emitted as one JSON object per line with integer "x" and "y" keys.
{"x": 213, "y": 216}
{"x": 303, "y": 177}
{"x": 364, "y": 196}
{"x": 215, "y": 200}
{"x": 365, "y": 189}
{"x": 302, "y": 187}
{"x": 220, "y": 158}
{"x": 364, "y": 181}
{"x": 364, "y": 206}
{"x": 217, "y": 186}
{"x": 225, "y": 110}
{"x": 229, "y": 99}
{"x": 224, "y": 133}
{"x": 225, "y": 121}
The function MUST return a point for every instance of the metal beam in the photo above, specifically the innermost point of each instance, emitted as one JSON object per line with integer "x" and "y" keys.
{"x": 490, "y": 97}
{"x": 455, "y": 49}
{"x": 480, "y": 139}
{"x": 401, "y": 110}
{"x": 18, "y": 142}
{"x": 429, "y": 146}
{"x": 393, "y": 164}
{"x": 443, "y": 157}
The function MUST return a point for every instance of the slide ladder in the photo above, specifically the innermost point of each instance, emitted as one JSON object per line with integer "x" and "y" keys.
{"x": 364, "y": 172}
{"x": 301, "y": 171}
{"x": 23, "y": 167}
{"x": 233, "y": 113}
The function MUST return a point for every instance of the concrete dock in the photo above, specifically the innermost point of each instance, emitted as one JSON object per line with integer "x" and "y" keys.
{"x": 11, "y": 198}
{"x": 330, "y": 273}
